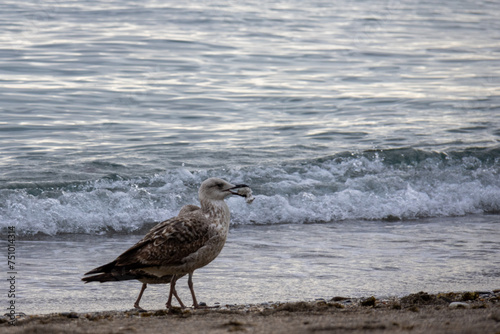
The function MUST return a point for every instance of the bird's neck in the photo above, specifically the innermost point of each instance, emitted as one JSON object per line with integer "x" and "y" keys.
{"x": 218, "y": 211}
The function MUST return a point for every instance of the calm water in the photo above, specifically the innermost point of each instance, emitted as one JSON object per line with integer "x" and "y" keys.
{"x": 341, "y": 116}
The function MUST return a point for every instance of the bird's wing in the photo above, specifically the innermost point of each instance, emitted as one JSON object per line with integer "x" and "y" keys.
{"x": 167, "y": 243}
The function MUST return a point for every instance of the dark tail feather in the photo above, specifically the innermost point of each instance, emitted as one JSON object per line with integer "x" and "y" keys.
{"x": 107, "y": 277}
{"x": 104, "y": 274}
{"x": 108, "y": 273}
{"x": 102, "y": 269}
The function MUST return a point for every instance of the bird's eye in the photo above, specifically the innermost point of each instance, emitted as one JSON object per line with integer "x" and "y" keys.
{"x": 220, "y": 185}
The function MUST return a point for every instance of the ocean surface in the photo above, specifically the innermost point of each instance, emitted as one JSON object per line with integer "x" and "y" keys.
{"x": 369, "y": 132}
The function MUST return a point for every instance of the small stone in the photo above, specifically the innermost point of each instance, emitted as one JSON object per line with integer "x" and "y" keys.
{"x": 338, "y": 299}
{"x": 71, "y": 315}
{"x": 369, "y": 301}
{"x": 459, "y": 305}
{"x": 336, "y": 305}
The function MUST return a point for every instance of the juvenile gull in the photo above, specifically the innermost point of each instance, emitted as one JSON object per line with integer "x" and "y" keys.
{"x": 167, "y": 279}
{"x": 177, "y": 246}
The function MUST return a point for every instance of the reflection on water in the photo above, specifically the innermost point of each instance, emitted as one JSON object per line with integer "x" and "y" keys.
{"x": 128, "y": 80}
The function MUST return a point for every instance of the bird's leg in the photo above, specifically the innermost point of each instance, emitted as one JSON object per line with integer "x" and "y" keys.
{"x": 172, "y": 290}
{"x": 191, "y": 287}
{"x": 178, "y": 299}
{"x": 136, "y": 304}
{"x": 190, "y": 284}
{"x": 195, "y": 303}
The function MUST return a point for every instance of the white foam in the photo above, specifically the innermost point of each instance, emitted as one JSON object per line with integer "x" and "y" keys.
{"x": 332, "y": 190}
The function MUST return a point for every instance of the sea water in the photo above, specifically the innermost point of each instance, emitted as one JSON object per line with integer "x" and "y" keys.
{"x": 369, "y": 132}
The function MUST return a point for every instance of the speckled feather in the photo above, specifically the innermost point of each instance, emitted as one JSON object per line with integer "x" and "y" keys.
{"x": 169, "y": 243}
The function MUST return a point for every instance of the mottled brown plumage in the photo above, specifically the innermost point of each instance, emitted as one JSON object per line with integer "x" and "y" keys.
{"x": 177, "y": 246}
{"x": 166, "y": 279}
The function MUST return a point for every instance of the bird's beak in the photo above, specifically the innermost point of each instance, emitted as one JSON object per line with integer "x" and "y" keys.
{"x": 237, "y": 187}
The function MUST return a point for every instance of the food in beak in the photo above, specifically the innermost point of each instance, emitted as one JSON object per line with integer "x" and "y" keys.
{"x": 244, "y": 192}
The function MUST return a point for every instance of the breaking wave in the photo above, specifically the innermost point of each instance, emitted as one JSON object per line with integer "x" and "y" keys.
{"x": 399, "y": 184}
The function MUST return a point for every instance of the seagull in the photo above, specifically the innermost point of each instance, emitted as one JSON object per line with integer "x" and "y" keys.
{"x": 167, "y": 279}
{"x": 177, "y": 246}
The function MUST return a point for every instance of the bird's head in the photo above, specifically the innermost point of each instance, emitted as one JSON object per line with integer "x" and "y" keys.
{"x": 218, "y": 189}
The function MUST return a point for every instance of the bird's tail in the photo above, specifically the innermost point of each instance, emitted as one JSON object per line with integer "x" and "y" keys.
{"x": 102, "y": 269}
{"x": 106, "y": 277}
{"x": 106, "y": 273}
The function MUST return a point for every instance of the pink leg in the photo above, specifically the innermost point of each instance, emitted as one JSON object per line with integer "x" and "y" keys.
{"x": 178, "y": 299}
{"x": 173, "y": 292}
{"x": 136, "y": 304}
{"x": 172, "y": 289}
{"x": 190, "y": 284}
{"x": 191, "y": 287}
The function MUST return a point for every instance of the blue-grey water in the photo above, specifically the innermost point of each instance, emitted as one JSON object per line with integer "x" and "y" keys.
{"x": 369, "y": 132}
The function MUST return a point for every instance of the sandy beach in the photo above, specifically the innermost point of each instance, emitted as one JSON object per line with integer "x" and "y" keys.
{"x": 469, "y": 312}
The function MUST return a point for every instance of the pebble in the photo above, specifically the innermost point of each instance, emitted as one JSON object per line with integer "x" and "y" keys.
{"x": 71, "y": 315}
{"x": 459, "y": 305}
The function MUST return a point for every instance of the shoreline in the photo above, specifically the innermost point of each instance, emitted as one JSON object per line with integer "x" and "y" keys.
{"x": 453, "y": 312}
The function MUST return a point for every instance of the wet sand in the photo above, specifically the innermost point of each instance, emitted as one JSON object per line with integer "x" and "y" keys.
{"x": 470, "y": 312}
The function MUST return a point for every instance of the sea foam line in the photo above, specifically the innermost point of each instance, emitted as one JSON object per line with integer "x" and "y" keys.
{"x": 365, "y": 187}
